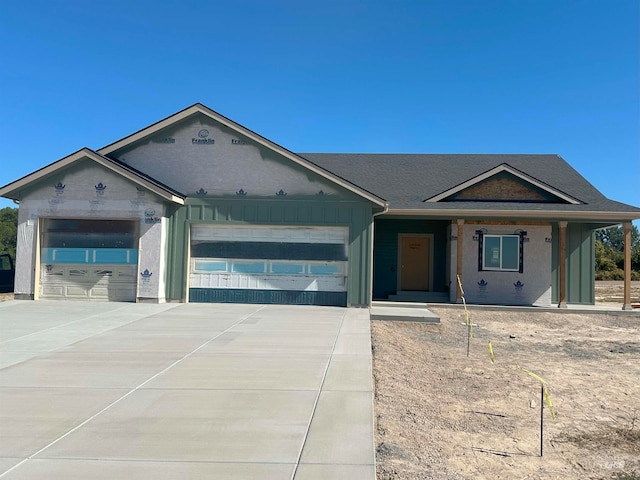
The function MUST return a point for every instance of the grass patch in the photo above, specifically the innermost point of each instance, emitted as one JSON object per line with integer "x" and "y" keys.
{"x": 635, "y": 475}
{"x": 623, "y": 439}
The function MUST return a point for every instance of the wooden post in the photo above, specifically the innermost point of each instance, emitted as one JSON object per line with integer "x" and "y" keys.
{"x": 626, "y": 304}
{"x": 562, "y": 257}
{"x": 459, "y": 260}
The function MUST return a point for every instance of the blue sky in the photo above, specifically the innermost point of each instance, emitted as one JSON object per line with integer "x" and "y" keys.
{"x": 429, "y": 76}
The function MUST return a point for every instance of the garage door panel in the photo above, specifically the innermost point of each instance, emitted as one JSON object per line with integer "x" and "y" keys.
{"x": 286, "y": 297}
{"x": 270, "y": 233}
{"x": 297, "y": 264}
{"x": 269, "y": 250}
{"x": 52, "y": 291}
{"x": 76, "y": 291}
{"x": 269, "y": 282}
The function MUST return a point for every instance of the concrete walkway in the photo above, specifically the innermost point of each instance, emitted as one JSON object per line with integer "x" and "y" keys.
{"x": 175, "y": 391}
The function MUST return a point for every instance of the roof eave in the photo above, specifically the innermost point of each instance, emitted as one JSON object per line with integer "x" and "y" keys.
{"x": 589, "y": 216}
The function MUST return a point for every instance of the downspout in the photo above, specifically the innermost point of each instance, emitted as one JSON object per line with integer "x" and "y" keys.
{"x": 373, "y": 227}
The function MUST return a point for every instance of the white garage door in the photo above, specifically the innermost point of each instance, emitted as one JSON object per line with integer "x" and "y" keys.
{"x": 269, "y": 264}
{"x": 89, "y": 259}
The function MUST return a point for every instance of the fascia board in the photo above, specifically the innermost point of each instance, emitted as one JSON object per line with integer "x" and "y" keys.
{"x": 591, "y": 216}
{"x": 199, "y": 108}
{"x": 504, "y": 168}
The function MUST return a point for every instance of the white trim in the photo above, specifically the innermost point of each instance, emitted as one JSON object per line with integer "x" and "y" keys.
{"x": 38, "y": 228}
{"x": 504, "y": 168}
{"x": 199, "y": 108}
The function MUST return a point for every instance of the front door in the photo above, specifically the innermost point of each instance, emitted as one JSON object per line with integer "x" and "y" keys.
{"x": 414, "y": 268}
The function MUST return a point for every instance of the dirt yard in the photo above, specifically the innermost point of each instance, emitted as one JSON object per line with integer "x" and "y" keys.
{"x": 611, "y": 293}
{"x": 6, "y": 296}
{"x": 443, "y": 415}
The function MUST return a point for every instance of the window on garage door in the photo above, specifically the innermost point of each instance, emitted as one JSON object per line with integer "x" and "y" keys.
{"x": 269, "y": 264}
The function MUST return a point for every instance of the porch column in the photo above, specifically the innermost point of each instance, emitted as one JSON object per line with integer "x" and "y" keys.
{"x": 626, "y": 305}
{"x": 562, "y": 257}
{"x": 459, "y": 260}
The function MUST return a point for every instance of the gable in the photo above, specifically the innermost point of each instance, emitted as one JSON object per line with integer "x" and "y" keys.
{"x": 198, "y": 151}
{"x": 504, "y": 187}
{"x": 85, "y": 159}
{"x": 85, "y": 184}
{"x": 504, "y": 184}
{"x": 203, "y": 157}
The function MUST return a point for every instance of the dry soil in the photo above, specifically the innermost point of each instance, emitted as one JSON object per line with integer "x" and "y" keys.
{"x": 441, "y": 414}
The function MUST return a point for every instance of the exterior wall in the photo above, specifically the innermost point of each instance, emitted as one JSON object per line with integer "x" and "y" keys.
{"x": 72, "y": 193}
{"x": 385, "y": 254}
{"x": 274, "y": 211}
{"x": 202, "y": 154}
{"x": 532, "y": 287}
{"x": 580, "y": 264}
{"x": 26, "y": 251}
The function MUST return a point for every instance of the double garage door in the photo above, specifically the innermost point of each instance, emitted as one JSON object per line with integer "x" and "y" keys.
{"x": 88, "y": 259}
{"x": 269, "y": 264}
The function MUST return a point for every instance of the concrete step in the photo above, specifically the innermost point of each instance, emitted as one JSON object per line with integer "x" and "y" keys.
{"x": 395, "y": 313}
{"x": 422, "y": 297}
{"x": 388, "y": 304}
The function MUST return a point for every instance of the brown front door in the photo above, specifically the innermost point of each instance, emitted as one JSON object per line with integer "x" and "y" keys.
{"x": 414, "y": 262}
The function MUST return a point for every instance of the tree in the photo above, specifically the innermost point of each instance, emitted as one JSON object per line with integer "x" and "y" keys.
{"x": 8, "y": 231}
{"x": 614, "y": 237}
{"x": 610, "y": 253}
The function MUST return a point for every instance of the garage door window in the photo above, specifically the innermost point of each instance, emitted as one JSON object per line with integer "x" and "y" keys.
{"x": 89, "y": 241}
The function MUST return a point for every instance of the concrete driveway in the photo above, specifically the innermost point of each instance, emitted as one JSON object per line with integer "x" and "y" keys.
{"x": 184, "y": 391}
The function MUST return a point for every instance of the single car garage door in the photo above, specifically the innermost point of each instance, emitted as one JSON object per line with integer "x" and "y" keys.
{"x": 89, "y": 259}
{"x": 269, "y": 264}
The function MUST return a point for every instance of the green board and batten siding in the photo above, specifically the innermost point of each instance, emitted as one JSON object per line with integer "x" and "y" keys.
{"x": 356, "y": 215}
{"x": 385, "y": 255}
{"x": 580, "y": 264}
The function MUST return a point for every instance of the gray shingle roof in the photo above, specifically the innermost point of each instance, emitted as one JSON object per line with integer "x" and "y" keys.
{"x": 406, "y": 180}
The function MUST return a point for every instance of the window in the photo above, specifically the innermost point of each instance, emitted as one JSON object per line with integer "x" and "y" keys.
{"x": 500, "y": 252}
{"x": 89, "y": 233}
